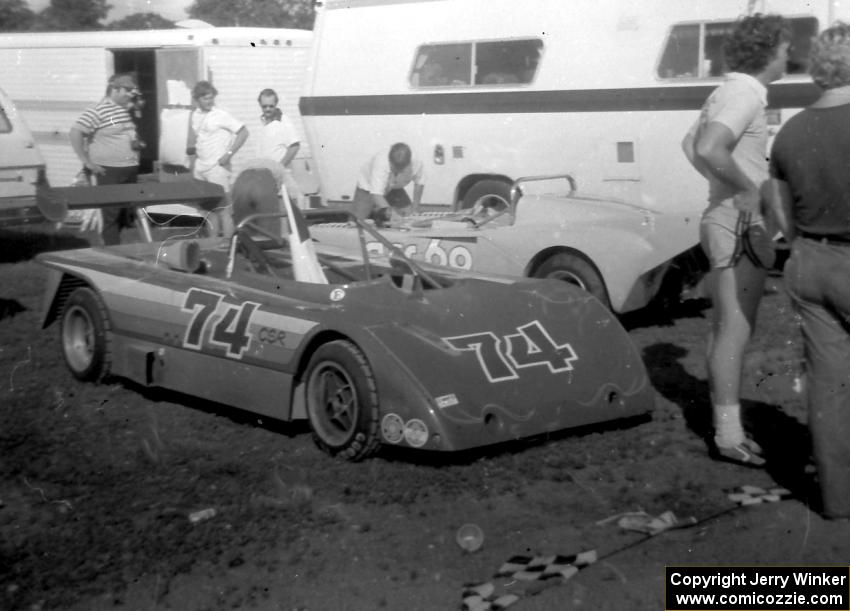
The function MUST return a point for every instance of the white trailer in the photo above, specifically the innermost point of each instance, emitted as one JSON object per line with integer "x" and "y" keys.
{"x": 53, "y": 77}
{"x": 487, "y": 91}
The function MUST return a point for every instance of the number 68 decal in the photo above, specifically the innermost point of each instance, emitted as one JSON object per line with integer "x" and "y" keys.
{"x": 230, "y": 329}
{"x": 501, "y": 357}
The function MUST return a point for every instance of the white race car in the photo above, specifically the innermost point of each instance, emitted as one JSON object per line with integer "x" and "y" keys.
{"x": 618, "y": 252}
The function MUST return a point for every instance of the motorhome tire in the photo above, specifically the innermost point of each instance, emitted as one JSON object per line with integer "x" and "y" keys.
{"x": 342, "y": 401}
{"x": 576, "y": 270}
{"x": 484, "y": 193}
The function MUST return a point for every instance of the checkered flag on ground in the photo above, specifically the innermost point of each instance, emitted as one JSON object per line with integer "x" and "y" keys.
{"x": 753, "y": 495}
{"x": 522, "y": 576}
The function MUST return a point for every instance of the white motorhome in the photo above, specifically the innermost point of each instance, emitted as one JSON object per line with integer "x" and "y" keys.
{"x": 53, "y": 77}
{"x": 487, "y": 91}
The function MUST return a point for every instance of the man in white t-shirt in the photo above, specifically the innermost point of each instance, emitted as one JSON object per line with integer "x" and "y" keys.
{"x": 380, "y": 193}
{"x": 279, "y": 141}
{"x": 728, "y": 146}
{"x": 215, "y": 137}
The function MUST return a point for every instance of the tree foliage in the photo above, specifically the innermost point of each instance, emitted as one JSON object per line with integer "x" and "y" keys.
{"x": 254, "y": 13}
{"x": 72, "y": 15}
{"x": 141, "y": 21}
{"x": 15, "y": 16}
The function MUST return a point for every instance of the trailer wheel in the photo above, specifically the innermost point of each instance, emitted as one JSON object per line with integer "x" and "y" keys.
{"x": 342, "y": 401}
{"x": 85, "y": 335}
{"x": 575, "y": 270}
{"x": 495, "y": 194}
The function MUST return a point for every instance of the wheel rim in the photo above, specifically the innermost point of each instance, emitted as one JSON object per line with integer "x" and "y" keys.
{"x": 78, "y": 338}
{"x": 568, "y": 276}
{"x": 334, "y": 404}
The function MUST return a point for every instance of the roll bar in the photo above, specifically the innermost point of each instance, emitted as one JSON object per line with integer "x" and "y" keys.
{"x": 516, "y": 188}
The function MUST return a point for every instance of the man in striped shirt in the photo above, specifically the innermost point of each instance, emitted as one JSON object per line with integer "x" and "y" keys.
{"x": 105, "y": 140}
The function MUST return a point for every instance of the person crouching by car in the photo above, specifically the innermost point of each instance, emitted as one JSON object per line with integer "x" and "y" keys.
{"x": 105, "y": 140}
{"x": 380, "y": 193}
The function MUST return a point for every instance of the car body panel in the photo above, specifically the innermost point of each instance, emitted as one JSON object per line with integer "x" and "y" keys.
{"x": 474, "y": 361}
{"x": 22, "y": 167}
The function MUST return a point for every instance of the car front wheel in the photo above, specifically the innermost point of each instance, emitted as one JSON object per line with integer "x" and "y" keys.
{"x": 85, "y": 337}
{"x": 342, "y": 401}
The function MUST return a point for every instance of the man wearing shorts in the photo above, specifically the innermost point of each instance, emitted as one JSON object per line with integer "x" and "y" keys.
{"x": 728, "y": 145}
{"x": 216, "y": 136}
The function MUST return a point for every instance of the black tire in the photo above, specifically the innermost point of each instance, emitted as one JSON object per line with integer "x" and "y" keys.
{"x": 85, "y": 335}
{"x": 488, "y": 193}
{"x": 342, "y": 401}
{"x": 574, "y": 269}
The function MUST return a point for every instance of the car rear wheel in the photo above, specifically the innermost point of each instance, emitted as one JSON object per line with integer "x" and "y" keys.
{"x": 575, "y": 270}
{"x": 494, "y": 194}
{"x": 85, "y": 334}
{"x": 342, "y": 401}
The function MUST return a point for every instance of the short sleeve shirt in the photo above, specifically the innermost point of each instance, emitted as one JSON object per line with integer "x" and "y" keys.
{"x": 215, "y": 131}
{"x": 111, "y": 134}
{"x": 739, "y": 104}
{"x": 377, "y": 176}
{"x": 810, "y": 153}
{"x": 275, "y": 138}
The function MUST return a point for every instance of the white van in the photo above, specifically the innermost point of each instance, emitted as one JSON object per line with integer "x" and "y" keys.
{"x": 487, "y": 91}
{"x": 53, "y": 77}
{"x": 21, "y": 167}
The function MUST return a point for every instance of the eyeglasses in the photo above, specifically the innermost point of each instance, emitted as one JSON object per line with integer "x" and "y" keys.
{"x": 264, "y": 106}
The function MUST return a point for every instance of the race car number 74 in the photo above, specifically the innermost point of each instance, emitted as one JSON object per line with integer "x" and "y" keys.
{"x": 230, "y": 322}
{"x": 501, "y": 357}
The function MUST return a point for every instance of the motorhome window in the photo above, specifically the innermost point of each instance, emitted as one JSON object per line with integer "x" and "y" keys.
{"x": 442, "y": 65}
{"x": 506, "y": 61}
{"x": 681, "y": 52}
{"x": 496, "y": 62}
{"x": 802, "y": 32}
{"x": 688, "y": 43}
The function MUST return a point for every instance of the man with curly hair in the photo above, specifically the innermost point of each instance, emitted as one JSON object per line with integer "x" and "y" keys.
{"x": 811, "y": 200}
{"x": 728, "y": 145}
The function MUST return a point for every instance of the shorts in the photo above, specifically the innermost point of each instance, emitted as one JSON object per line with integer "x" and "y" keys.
{"x": 720, "y": 234}
{"x": 217, "y": 174}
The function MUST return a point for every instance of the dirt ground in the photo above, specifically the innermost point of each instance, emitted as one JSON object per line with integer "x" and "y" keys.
{"x": 99, "y": 484}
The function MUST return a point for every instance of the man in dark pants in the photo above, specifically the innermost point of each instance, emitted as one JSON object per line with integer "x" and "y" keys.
{"x": 105, "y": 140}
{"x": 811, "y": 200}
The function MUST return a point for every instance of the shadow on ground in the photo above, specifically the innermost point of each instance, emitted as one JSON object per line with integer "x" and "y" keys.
{"x": 785, "y": 440}
{"x": 9, "y": 308}
{"x": 23, "y": 244}
{"x": 664, "y": 313}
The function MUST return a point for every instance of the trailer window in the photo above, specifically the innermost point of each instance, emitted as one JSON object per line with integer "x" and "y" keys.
{"x": 687, "y": 43}
{"x": 495, "y": 62}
